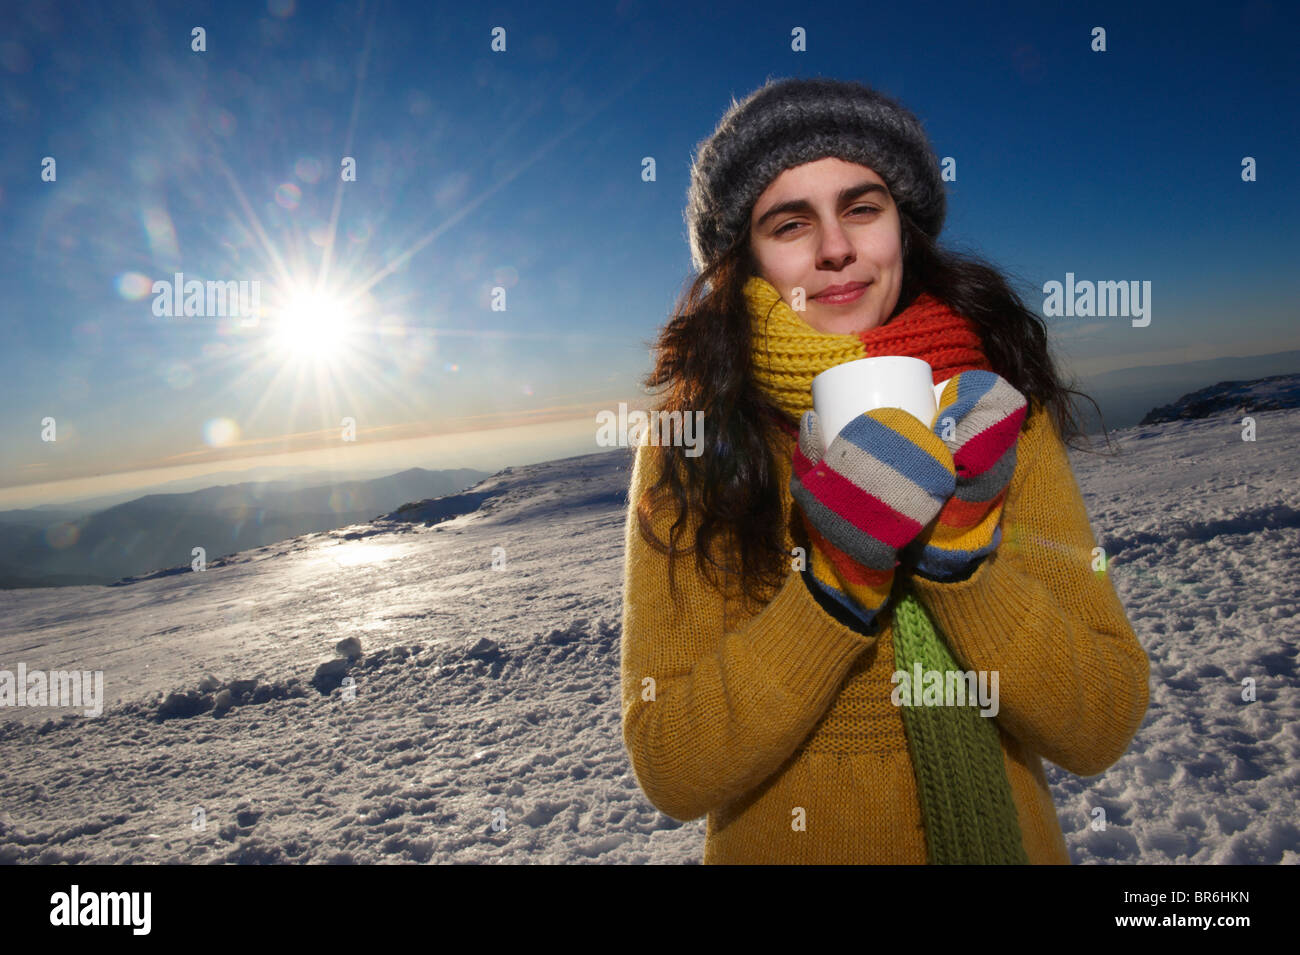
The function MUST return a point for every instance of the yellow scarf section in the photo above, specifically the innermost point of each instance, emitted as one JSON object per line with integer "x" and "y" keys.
{"x": 788, "y": 352}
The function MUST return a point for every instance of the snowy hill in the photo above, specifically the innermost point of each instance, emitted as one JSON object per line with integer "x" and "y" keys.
{"x": 482, "y": 721}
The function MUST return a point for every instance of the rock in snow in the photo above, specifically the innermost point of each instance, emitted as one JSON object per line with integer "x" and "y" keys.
{"x": 329, "y": 675}
{"x": 483, "y": 649}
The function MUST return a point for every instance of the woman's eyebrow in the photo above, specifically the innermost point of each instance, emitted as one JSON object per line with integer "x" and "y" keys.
{"x": 847, "y": 194}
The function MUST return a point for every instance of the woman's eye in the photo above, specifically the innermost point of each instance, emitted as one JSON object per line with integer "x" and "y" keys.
{"x": 791, "y": 225}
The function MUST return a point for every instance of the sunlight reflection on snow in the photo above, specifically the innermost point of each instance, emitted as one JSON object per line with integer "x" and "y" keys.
{"x": 361, "y": 552}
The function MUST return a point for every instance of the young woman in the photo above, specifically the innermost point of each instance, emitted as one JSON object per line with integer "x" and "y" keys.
{"x": 805, "y": 614}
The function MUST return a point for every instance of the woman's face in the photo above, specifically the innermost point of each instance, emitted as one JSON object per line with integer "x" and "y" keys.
{"x": 830, "y": 223}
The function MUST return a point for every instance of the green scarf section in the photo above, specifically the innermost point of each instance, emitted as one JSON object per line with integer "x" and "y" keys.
{"x": 961, "y": 780}
{"x": 966, "y": 804}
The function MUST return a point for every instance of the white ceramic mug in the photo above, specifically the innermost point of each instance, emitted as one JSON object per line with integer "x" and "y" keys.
{"x": 842, "y": 393}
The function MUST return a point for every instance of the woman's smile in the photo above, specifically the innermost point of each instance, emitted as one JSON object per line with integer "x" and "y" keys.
{"x": 842, "y": 294}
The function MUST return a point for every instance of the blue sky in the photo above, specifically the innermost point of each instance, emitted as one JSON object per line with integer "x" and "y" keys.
{"x": 522, "y": 170}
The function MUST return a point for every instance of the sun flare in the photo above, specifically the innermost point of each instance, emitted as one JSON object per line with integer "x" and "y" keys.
{"x": 313, "y": 326}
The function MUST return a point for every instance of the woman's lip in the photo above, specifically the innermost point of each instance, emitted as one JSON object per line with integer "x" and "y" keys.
{"x": 841, "y": 298}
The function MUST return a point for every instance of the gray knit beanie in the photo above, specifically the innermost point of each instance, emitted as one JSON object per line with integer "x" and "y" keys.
{"x": 793, "y": 121}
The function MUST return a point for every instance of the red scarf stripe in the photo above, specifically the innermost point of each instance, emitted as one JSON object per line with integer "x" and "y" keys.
{"x": 930, "y": 330}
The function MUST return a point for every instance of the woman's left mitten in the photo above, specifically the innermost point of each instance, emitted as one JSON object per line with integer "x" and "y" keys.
{"x": 979, "y": 419}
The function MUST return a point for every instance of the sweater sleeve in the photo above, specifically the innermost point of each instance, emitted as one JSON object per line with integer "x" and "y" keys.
{"x": 709, "y": 712}
{"x": 1072, "y": 675}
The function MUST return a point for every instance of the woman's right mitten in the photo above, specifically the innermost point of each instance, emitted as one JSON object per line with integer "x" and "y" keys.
{"x": 878, "y": 484}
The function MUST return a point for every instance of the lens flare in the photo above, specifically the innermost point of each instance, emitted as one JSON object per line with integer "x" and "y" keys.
{"x": 219, "y": 432}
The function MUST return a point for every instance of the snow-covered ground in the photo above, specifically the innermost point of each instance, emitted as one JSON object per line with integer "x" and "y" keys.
{"x": 483, "y": 724}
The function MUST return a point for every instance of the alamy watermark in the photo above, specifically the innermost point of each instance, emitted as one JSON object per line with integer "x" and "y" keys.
{"x": 660, "y": 428}
{"x": 946, "y": 688}
{"x": 193, "y": 298}
{"x": 75, "y": 907}
{"x": 83, "y": 688}
{"x": 1098, "y": 300}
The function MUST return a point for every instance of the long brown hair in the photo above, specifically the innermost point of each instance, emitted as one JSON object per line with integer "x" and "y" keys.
{"x": 703, "y": 356}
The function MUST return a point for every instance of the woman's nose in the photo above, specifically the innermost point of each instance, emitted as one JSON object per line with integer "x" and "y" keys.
{"x": 836, "y": 249}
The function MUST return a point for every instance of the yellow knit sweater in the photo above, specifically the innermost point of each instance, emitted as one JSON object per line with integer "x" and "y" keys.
{"x": 778, "y": 723}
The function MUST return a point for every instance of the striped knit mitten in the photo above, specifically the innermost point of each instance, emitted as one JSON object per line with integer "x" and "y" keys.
{"x": 979, "y": 420}
{"x": 874, "y": 490}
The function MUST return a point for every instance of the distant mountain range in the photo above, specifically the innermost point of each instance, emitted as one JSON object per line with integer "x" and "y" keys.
{"x": 288, "y": 476}
{"x": 1237, "y": 397}
{"x": 62, "y": 547}
{"x": 1127, "y": 395}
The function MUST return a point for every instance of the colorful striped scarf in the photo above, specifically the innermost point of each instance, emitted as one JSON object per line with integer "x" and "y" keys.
{"x": 966, "y": 804}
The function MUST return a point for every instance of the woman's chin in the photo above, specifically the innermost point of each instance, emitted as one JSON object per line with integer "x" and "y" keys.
{"x": 847, "y": 324}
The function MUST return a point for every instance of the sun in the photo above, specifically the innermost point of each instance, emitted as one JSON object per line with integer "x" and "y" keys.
{"x": 313, "y": 325}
